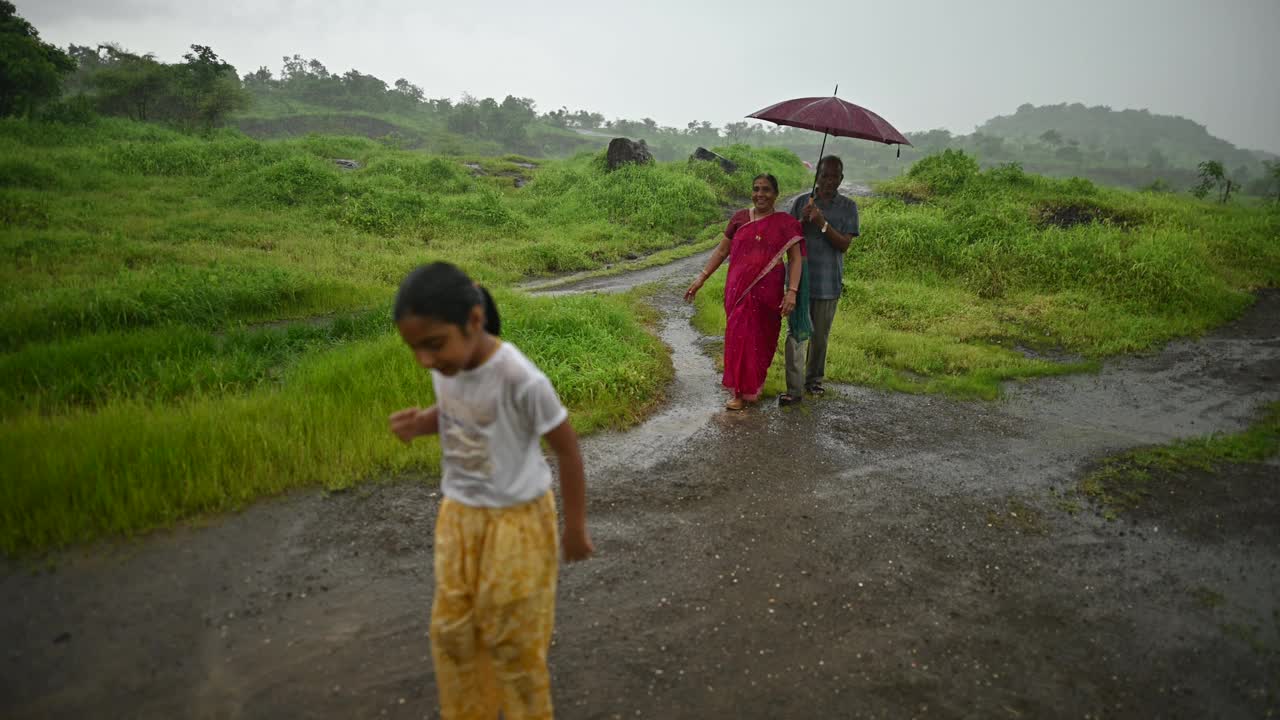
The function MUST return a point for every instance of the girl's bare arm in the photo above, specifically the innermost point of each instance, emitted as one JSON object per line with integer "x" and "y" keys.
{"x": 576, "y": 543}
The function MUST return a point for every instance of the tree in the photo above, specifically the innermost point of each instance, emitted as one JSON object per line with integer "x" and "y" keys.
{"x": 508, "y": 122}
{"x": 1051, "y": 137}
{"x": 128, "y": 84}
{"x": 932, "y": 141}
{"x": 1069, "y": 153}
{"x": 465, "y": 116}
{"x": 356, "y": 90}
{"x": 1273, "y": 174}
{"x": 989, "y": 146}
{"x": 558, "y": 118}
{"x": 740, "y": 132}
{"x": 88, "y": 60}
{"x": 1212, "y": 175}
{"x": 409, "y": 90}
{"x": 210, "y": 88}
{"x": 31, "y": 70}
{"x": 259, "y": 80}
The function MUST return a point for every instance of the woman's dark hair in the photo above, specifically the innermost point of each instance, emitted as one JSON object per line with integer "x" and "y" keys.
{"x": 772, "y": 180}
{"x": 444, "y": 292}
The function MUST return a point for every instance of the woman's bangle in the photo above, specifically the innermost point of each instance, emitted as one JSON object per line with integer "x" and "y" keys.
{"x": 794, "y": 290}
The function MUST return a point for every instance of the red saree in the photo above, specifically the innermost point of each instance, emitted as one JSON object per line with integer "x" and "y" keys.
{"x": 752, "y": 296}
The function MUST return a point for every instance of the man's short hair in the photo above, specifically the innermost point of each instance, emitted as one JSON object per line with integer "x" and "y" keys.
{"x": 831, "y": 158}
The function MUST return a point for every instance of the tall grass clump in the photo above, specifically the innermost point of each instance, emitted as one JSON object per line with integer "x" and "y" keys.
{"x": 201, "y": 297}
{"x": 135, "y": 463}
{"x": 166, "y": 364}
{"x": 735, "y": 187}
{"x": 656, "y": 197}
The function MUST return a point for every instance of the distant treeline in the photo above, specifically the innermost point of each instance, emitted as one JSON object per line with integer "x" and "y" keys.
{"x": 1132, "y": 148}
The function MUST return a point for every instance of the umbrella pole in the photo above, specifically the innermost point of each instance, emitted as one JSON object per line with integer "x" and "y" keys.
{"x": 814, "y": 189}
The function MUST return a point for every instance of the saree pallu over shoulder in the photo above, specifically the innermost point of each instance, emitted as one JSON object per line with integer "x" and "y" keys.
{"x": 776, "y": 261}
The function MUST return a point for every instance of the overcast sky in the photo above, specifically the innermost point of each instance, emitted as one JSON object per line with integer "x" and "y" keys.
{"x": 921, "y": 64}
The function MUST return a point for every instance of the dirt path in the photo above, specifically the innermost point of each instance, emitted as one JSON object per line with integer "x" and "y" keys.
{"x": 868, "y": 555}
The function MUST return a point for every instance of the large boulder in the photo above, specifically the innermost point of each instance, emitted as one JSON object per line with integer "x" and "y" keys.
{"x": 623, "y": 151}
{"x": 726, "y": 164}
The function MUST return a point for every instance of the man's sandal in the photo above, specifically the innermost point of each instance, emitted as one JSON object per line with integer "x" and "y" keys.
{"x": 786, "y": 399}
{"x": 815, "y": 389}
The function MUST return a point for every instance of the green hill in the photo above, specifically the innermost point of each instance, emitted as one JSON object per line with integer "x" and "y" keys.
{"x": 409, "y": 128}
{"x": 1132, "y": 137}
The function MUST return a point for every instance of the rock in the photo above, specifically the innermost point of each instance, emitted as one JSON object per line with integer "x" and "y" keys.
{"x": 726, "y": 164}
{"x": 346, "y": 164}
{"x": 623, "y": 151}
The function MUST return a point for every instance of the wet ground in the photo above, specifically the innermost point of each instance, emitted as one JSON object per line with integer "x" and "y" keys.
{"x": 864, "y": 555}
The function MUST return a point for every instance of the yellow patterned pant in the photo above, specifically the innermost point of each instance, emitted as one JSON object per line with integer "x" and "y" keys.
{"x": 494, "y": 609}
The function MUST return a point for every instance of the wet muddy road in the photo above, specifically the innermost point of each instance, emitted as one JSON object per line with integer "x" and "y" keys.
{"x": 865, "y": 555}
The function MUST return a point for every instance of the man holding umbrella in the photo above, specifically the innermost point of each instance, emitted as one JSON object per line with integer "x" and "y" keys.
{"x": 830, "y": 222}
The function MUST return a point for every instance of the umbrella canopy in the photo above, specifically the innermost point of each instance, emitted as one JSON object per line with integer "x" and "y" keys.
{"x": 832, "y": 116}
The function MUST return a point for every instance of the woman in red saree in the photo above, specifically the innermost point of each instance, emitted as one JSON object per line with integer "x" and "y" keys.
{"x": 758, "y": 293}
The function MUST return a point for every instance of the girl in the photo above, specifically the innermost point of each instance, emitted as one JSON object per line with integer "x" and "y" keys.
{"x": 495, "y": 536}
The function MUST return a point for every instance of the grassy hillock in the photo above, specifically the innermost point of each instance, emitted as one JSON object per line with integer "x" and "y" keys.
{"x": 190, "y": 323}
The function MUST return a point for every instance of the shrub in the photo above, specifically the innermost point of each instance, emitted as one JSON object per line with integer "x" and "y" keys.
{"x": 945, "y": 172}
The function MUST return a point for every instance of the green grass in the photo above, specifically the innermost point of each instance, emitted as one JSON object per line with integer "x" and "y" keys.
{"x": 121, "y": 226}
{"x": 706, "y": 240}
{"x": 956, "y": 267}
{"x": 1121, "y": 482}
{"x": 132, "y": 464}
{"x": 168, "y": 363}
{"x": 189, "y": 323}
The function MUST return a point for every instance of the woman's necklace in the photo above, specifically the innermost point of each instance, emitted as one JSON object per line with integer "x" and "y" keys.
{"x": 756, "y": 216}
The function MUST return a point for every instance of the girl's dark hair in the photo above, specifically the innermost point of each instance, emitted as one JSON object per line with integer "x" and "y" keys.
{"x": 444, "y": 292}
{"x": 772, "y": 180}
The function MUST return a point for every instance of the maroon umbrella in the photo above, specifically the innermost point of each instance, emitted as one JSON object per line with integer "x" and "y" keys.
{"x": 832, "y": 116}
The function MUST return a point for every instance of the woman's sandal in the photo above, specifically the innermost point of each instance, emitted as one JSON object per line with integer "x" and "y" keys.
{"x": 736, "y": 403}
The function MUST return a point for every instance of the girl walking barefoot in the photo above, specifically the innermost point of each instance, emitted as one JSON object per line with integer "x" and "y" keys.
{"x": 496, "y": 545}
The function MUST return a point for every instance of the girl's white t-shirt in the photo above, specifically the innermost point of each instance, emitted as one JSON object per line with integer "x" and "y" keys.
{"x": 490, "y": 421}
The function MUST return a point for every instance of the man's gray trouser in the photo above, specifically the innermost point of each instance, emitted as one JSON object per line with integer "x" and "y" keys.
{"x": 802, "y": 374}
